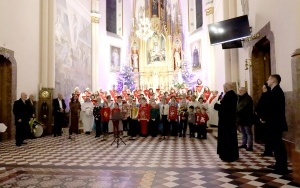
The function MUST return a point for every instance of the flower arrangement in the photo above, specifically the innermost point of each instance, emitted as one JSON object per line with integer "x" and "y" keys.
{"x": 34, "y": 124}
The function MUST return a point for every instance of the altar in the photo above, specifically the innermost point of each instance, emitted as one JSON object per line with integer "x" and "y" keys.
{"x": 156, "y": 44}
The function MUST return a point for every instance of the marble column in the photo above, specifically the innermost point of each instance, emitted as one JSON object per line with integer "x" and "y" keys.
{"x": 209, "y": 11}
{"x": 95, "y": 19}
{"x": 48, "y": 45}
{"x": 233, "y": 53}
{"x": 296, "y": 93}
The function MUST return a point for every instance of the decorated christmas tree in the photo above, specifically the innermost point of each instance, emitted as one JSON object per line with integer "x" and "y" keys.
{"x": 126, "y": 77}
{"x": 188, "y": 76}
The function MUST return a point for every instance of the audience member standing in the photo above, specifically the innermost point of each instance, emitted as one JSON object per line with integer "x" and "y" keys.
{"x": 227, "y": 147}
{"x": 31, "y": 103}
{"x": 22, "y": 115}
{"x": 260, "y": 112}
{"x": 244, "y": 114}
{"x": 59, "y": 107}
{"x": 275, "y": 118}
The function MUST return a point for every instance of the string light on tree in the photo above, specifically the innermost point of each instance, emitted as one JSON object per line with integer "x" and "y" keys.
{"x": 126, "y": 77}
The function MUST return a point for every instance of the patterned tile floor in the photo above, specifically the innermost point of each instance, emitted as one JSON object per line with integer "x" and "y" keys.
{"x": 145, "y": 162}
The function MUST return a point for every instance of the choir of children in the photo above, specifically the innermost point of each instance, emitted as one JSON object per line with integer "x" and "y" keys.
{"x": 175, "y": 114}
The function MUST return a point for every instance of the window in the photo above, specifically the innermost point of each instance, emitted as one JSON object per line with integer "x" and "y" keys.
{"x": 111, "y": 16}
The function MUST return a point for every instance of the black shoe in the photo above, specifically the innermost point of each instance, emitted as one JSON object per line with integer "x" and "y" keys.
{"x": 271, "y": 166}
{"x": 180, "y": 135}
{"x": 266, "y": 155}
{"x": 97, "y": 136}
{"x": 243, "y": 146}
{"x": 18, "y": 145}
{"x": 282, "y": 171}
{"x": 70, "y": 137}
{"x": 24, "y": 143}
{"x": 249, "y": 149}
{"x": 54, "y": 135}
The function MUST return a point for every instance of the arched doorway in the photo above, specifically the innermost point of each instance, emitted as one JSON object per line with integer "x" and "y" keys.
{"x": 261, "y": 70}
{"x": 8, "y": 78}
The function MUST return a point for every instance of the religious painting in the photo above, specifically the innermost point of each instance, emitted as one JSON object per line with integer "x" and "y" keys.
{"x": 196, "y": 55}
{"x": 115, "y": 54}
{"x": 72, "y": 49}
{"x": 156, "y": 46}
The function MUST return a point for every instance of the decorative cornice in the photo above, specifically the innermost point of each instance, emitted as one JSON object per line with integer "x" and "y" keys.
{"x": 252, "y": 37}
{"x": 4, "y": 50}
{"x": 296, "y": 53}
{"x": 209, "y": 11}
{"x": 95, "y": 19}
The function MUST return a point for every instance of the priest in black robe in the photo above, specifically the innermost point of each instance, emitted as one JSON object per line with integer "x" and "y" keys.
{"x": 227, "y": 147}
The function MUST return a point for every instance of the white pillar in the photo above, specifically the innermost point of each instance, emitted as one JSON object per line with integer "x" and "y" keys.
{"x": 47, "y": 77}
{"x": 209, "y": 11}
{"x": 51, "y": 44}
{"x": 44, "y": 46}
{"x": 95, "y": 19}
{"x": 234, "y": 64}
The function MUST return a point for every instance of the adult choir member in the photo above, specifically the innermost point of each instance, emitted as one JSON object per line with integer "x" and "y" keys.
{"x": 75, "y": 107}
{"x": 227, "y": 147}
{"x": 87, "y": 115}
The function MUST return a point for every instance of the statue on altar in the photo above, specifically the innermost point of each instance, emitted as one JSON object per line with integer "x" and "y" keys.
{"x": 155, "y": 8}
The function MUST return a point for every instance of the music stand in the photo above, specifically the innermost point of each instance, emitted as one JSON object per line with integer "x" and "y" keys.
{"x": 117, "y": 117}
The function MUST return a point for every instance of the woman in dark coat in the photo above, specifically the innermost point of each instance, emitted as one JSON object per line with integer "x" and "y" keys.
{"x": 227, "y": 132}
{"x": 74, "y": 114}
{"x": 260, "y": 112}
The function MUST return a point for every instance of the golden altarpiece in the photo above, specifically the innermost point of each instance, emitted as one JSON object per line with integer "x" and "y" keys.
{"x": 156, "y": 43}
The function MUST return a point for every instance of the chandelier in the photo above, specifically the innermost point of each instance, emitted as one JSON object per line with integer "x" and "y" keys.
{"x": 144, "y": 30}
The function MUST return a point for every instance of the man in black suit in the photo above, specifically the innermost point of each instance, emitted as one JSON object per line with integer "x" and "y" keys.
{"x": 227, "y": 146}
{"x": 276, "y": 121}
{"x": 59, "y": 107}
{"x": 22, "y": 115}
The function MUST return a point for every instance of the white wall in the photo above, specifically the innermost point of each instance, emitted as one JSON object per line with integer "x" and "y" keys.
{"x": 284, "y": 19}
{"x": 20, "y": 32}
{"x": 107, "y": 78}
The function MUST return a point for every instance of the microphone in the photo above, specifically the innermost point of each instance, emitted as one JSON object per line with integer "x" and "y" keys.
{"x": 220, "y": 96}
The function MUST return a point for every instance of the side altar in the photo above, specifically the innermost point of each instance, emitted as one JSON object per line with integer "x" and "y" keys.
{"x": 156, "y": 43}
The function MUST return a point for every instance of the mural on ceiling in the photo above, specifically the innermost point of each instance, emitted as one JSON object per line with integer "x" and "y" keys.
{"x": 72, "y": 49}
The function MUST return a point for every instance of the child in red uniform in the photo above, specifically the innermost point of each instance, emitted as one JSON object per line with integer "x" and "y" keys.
{"x": 201, "y": 119}
{"x": 173, "y": 116}
{"x": 114, "y": 111}
{"x": 183, "y": 115}
{"x": 144, "y": 116}
{"x": 105, "y": 115}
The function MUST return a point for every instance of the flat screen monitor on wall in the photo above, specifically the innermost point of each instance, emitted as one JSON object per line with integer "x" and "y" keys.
{"x": 232, "y": 44}
{"x": 229, "y": 30}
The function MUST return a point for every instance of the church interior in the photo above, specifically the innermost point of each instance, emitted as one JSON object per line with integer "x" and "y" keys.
{"x": 161, "y": 49}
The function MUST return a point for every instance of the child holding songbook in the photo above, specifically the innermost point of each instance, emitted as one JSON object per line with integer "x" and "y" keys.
{"x": 144, "y": 116}
{"x": 191, "y": 121}
{"x": 201, "y": 122}
{"x": 173, "y": 116}
{"x": 105, "y": 115}
{"x": 133, "y": 123}
{"x": 115, "y": 113}
{"x": 183, "y": 115}
{"x": 154, "y": 119}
